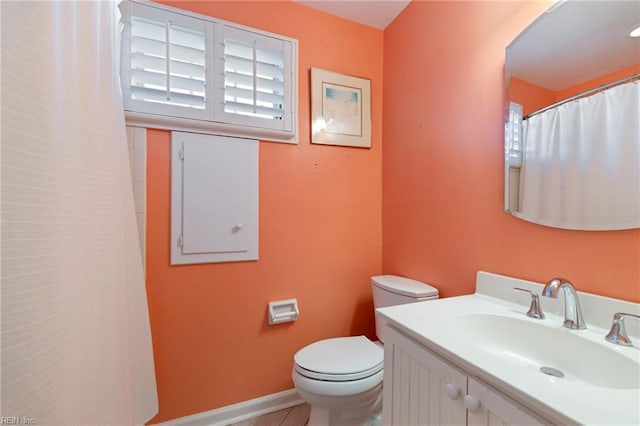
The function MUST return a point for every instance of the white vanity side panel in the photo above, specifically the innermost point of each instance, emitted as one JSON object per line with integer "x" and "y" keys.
{"x": 424, "y": 382}
{"x": 401, "y": 386}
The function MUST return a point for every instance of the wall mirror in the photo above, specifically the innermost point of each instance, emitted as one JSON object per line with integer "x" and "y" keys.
{"x": 577, "y": 53}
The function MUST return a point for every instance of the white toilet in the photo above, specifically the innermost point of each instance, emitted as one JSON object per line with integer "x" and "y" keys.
{"x": 341, "y": 378}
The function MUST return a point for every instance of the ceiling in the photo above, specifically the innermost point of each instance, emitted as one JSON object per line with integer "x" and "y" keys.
{"x": 374, "y": 13}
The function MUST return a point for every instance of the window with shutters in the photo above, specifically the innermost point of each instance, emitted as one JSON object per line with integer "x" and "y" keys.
{"x": 252, "y": 87}
{"x": 513, "y": 146}
{"x": 182, "y": 71}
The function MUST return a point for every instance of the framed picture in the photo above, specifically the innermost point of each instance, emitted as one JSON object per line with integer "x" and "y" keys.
{"x": 340, "y": 109}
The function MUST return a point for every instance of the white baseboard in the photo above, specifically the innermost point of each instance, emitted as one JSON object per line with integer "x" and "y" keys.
{"x": 240, "y": 411}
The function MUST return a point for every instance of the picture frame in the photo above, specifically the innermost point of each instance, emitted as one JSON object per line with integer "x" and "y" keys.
{"x": 340, "y": 109}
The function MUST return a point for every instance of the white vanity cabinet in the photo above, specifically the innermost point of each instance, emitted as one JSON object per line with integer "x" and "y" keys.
{"x": 422, "y": 389}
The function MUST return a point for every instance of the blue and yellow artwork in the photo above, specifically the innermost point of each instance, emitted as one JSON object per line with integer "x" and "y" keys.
{"x": 342, "y": 109}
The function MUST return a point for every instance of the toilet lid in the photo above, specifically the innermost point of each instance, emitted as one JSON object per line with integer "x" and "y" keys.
{"x": 340, "y": 359}
{"x": 405, "y": 286}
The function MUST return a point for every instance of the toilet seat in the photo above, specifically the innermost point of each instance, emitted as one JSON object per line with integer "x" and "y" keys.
{"x": 339, "y": 359}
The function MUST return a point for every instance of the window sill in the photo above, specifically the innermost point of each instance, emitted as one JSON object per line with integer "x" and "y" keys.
{"x": 136, "y": 119}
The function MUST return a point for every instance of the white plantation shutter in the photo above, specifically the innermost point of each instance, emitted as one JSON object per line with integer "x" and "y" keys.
{"x": 513, "y": 133}
{"x": 165, "y": 63}
{"x": 253, "y": 85}
{"x": 513, "y": 140}
{"x": 253, "y": 88}
{"x": 176, "y": 81}
{"x": 182, "y": 71}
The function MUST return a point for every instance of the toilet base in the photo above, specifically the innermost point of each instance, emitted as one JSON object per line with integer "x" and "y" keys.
{"x": 356, "y": 410}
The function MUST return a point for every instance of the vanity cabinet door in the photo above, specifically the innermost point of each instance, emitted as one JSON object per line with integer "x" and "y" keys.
{"x": 487, "y": 407}
{"x": 422, "y": 389}
{"x": 419, "y": 388}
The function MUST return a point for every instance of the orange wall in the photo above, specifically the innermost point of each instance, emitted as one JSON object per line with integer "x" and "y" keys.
{"x": 530, "y": 96}
{"x": 323, "y": 218}
{"x": 320, "y": 238}
{"x": 592, "y": 84}
{"x": 442, "y": 212}
{"x": 533, "y": 98}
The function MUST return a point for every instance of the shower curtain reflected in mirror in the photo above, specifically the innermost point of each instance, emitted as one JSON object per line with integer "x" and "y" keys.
{"x": 576, "y": 154}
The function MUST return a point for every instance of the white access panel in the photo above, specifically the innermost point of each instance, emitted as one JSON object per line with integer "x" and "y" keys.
{"x": 214, "y": 198}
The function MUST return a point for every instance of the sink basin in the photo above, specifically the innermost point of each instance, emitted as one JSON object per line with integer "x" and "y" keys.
{"x": 561, "y": 353}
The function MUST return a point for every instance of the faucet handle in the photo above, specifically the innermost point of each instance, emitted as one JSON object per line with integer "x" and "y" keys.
{"x": 534, "y": 310}
{"x": 618, "y": 334}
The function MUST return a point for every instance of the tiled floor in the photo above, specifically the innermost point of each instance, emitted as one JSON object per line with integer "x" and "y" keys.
{"x": 294, "y": 416}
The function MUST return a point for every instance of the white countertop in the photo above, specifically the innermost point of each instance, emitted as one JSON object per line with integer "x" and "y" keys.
{"x": 566, "y": 399}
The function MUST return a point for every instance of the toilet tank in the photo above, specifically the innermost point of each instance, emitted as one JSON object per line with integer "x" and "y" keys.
{"x": 390, "y": 290}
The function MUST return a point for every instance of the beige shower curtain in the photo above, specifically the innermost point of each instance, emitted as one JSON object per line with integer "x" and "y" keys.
{"x": 76, "y": 343}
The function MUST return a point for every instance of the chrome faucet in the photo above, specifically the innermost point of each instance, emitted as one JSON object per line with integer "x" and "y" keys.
{"x": 572, "y": 313}
{"x": 618, "y": 333}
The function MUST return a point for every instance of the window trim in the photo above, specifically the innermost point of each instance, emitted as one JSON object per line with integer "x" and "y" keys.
{"x": 210, "y": 124}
